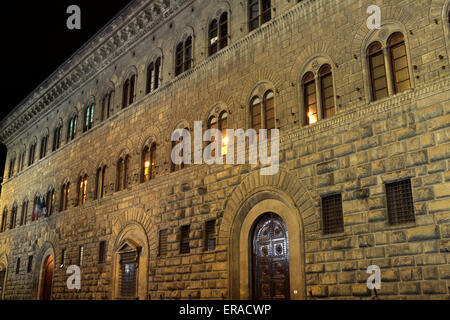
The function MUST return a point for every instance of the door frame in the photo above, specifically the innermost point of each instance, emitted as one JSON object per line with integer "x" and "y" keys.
{"x": 294, "y": 227}
{"x": 43, "y": 272}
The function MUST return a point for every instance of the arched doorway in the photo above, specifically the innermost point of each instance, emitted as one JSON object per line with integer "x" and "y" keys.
{"x": 270, "y": 258}
{"x": 47, "y": 278}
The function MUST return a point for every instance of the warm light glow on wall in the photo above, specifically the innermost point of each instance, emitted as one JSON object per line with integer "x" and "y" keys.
{"x": 312, "y": 118}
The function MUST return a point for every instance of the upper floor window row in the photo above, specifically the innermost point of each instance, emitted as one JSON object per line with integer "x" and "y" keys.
{"x": 259, "y": 12}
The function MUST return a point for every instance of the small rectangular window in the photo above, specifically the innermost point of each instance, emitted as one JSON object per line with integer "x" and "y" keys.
{"x": 162, "y": 243}
{"x": 63, "y": 257}
{"x": 184, "y": 239}
{"x": 400, "y": 202}
{"x": 332, "y": 216}
{"x": 30, "y": 264}
{"x": 80, "y": 256}
{"x": 210, "y": 235}
{"x": 18, "y": 266}
{"x": 102, "y": 252}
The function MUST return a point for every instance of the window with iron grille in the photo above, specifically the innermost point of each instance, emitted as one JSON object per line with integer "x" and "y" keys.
{"x": 102, "y": 252}
{"x": 30, "y": 264}
{"x": 162, "y": 243}
{"x": 184, "y": 239}
{"x": 332, "y": 216}
{"x": 128, "y": 270}
{"x": 400, "y": 202}
{"x": 210, "y": 235}
{"x": 18, "y": 266}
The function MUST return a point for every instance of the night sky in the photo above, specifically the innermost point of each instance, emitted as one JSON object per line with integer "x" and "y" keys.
{"x": 36, "y": 41}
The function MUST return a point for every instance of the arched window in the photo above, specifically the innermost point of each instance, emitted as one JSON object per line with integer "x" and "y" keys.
{"x": 263, "y": 112}
{"x": 212, "y": 124}
{"x": 64, "y": 201}
{"x": 213, "y": 37}
{"x": 128, "y": 91}
{"x": 377, "y": 68}
{"x": 100, "y": 182}
{"x": 153, "y": 75}
{"x": 82, "y": 189}
{"x": 50, "y": 201}
{"x": 44, "y": 142}
{"x": 148, "y": 163}
{"x": 12, "y": 223}
{"x": 183, "y": 165}
{"x": 327, "y": 91}
{"x": 22, "y": 160}
{"x": 399, "y": 63}
{"x": 122, "y": 173}
{"x": 72, "y": 128}
{"x": 24, "y": 214}
{"x": 4, "y": 217}
{"x": 309, "y": 93}
{"x": 89, "y": 117}
{"x": 12, "y": 164}
{"x": 218, "y": 34}
{"x": 57, "y": 137}
{"x": 31, "y": 155}
{"x": 223, "y": 126}
{"x": 259, "y": 12}
{"x": 183, "y": 56}
{"x": 107, "y": 105}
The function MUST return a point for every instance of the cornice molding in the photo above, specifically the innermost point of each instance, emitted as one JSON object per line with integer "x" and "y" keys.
{"x": 136, "y": 21}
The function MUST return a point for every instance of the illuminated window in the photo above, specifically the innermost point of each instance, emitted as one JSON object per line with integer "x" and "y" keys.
{"x": 218, "y": 34}
{"x": 309, "y": 93}
{"x": 223, "y": 126}
{"x": 82, "y": 191}
{"x": 89, "y": 117}
{"x": 148, "y": 163}
{"x": 64, "y": 201}
{"x": 72, "y": 128}
{"x": 259, "y": 12}
{"x": 183, "y": 56}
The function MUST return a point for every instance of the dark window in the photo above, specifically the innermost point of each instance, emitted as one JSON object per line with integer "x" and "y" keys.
{"x": 89, "y": 118}
{"x": 43, "y": 152}
{"x": 259, "y": 12}
{"x": 106, "y": 105}
{"x": 100, "y": 183}
{"x": 57, "y": 138}
{"x": 213, "y": 37}
{"x": 162, "y": 243}
{"x": 183, "y": 165}
{"x": 18, "y": 266}
{"x": 256, "y": 114}
{"x": 4, "y": 217}
{"x": 399, "y": 62}
{"x": 327, "y": 92}
{"x": 31, "y": 155}
{"x": 22, "y": 161}
{"x": 51, "y": 198}
{"x": 223, "y": 30}
{"x": 184, "y": 239}
{"x": 183, "y": 56}
{"x": 12, "y": 223}
{"x": 218, "y": 34}
{"x": 12, "y": 163}
{"x": 377, "y": 68}
{"x": 400, "y": 202}
{"x": 332, "y": 216}
{"x": 212, "y": 124}
{"x": 30, "y": 264}
{"x": 128, "y": 91}
{"x": 102, "y": 252}
{"x": 269, "y": 111}
{"x": 309, "y": 93}
{"x": 153, "y": 75}
{"x": 23, "y": 216}
{"x": 119, "y": 182}
{"x": 210, "y": 235}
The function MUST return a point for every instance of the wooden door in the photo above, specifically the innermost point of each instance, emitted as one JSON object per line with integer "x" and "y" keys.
{"x": 47, "y": 278}
{"x": 270, "y": 252}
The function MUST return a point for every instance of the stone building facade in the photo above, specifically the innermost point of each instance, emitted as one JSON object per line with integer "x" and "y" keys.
{"x": 189, "y": 233}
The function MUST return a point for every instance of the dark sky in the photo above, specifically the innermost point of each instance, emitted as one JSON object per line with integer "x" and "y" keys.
{"x": 36, "y": 40}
